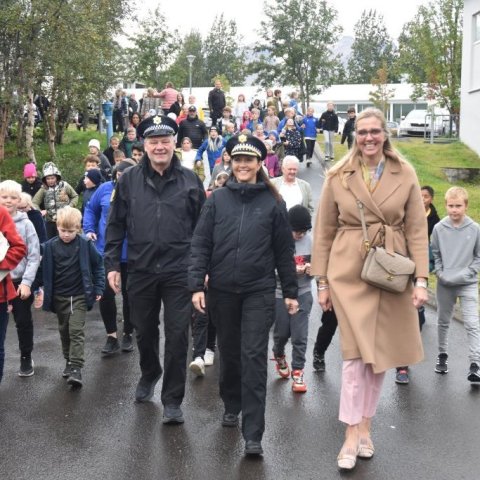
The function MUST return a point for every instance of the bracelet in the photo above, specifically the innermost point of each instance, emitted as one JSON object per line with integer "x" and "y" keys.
{"x": 323, "y": 287}
{"x": 421, "y": 283}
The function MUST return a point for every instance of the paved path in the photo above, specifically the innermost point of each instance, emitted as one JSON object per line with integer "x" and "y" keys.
{"x": 427, "y": 430}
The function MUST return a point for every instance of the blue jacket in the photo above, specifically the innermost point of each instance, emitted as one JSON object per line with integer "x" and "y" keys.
{"x": 212, "y": 155}
{"x": 91, "y": 266}
{"x": 282, "y": 123}
{"x": 310, "y": 130}
{"x": 96, "y": 216}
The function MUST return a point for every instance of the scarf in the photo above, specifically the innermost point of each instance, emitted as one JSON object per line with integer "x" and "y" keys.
{"x": 372, "y": 181}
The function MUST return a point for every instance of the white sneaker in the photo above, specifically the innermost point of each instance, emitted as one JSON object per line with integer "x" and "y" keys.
{"x": 197, "y": 367}
{"x": 209, "y": 357}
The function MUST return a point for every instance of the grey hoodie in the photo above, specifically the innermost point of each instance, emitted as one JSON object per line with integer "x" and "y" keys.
{"x": 456, "y": 251}
{"x": 26, "y": 270}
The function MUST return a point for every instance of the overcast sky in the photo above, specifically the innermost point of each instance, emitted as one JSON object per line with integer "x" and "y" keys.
{"x": 199, "y": 14}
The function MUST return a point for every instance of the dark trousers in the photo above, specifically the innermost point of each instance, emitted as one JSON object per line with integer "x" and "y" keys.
{"x": 51, "y": 228}
{"x": 108, "y": 307}
{"x": 3, "y": 333}
{"x": 146, "y": 292}
{"x": 117, "y": 121}
{"x": 243, "y": 323}
{"x": 326, "y": 332}
{"x": 310, "y": 144}
{"x": 204, "y": 333}
{"x": 22, "y": 314}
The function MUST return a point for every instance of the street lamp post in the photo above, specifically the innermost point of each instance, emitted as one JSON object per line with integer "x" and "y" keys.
{"x": 190, "y": 59}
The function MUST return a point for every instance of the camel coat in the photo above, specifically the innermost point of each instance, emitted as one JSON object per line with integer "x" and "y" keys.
{"x": 379, "y": 327}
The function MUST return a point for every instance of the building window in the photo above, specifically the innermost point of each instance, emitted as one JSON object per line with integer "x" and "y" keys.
{"x": 476, "y": 27}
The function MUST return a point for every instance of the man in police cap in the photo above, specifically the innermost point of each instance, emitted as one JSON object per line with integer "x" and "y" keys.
{"x": 156, "y": 205}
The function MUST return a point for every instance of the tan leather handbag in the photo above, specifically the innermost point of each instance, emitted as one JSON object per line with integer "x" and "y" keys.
{"x": 383, "y": 268}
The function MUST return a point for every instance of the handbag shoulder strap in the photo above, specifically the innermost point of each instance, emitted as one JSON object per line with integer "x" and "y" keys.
{"x": 366, "y": 241}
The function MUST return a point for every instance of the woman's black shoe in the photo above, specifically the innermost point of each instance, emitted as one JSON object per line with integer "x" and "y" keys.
{"x": 253, "y": 448}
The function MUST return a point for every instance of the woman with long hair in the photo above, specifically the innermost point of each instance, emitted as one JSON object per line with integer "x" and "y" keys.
{"x": 242, "y": 236}
{"x": 378, "y": 329}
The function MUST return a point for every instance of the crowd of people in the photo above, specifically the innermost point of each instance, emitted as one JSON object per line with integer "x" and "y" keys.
{"x": 232, "y": 255}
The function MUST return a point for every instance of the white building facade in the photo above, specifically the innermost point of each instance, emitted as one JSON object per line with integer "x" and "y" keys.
{"x": 470, "y": 90}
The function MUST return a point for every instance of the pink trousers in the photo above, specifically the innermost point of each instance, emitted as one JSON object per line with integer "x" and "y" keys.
{"x": 360, "y": 391}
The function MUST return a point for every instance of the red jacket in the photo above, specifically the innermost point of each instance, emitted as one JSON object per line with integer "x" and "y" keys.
{"x": 15, "y": 253}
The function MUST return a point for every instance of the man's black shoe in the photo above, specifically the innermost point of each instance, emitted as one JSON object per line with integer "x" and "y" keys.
{"x": 172, "y": 415}
{"x": 145, "y": 389}
{"x": 253, "y": 448}
{"x": 127, "y": 344}
{"x": 230, "y": 420}
{"x": 111, "y": 346}
{"x": 318, "y": 362}
{"x": 75, "y": 377}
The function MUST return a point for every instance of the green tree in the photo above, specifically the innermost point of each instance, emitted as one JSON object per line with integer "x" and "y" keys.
{"x": 381, "y": 95}
{"x": 295, "y": 50}
{"x": 430, "y": 48}
{"x": 223, "y": 52}
{"x": 153, "y": 50}
{"x": 178, "y": 73}
{"x": 372, "y": 48}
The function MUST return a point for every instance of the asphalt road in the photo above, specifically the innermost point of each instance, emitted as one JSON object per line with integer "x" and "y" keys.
{"x": 426, "y": 430}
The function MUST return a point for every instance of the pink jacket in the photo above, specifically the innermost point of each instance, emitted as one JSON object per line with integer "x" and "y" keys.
{"x": 168, "y": 96}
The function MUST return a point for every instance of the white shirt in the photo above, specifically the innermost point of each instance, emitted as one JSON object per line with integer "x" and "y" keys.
{"x": 291, "y": 193}
{"x": 188, "y": 158}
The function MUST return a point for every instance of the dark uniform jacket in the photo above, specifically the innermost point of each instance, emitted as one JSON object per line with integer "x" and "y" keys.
{"x": 242, "y": 235}
{"x": 159, "y": 214}
{"x": 216, "y": 101}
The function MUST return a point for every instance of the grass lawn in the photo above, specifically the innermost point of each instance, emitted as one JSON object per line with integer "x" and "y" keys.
{"x": 69, "y": 159}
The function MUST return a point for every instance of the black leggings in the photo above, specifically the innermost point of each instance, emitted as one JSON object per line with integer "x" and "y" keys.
{"x": 310, "y": 143}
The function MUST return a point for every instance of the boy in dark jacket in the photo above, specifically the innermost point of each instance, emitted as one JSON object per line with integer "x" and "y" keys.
{"x": 349, "y": 128}
{"x": 74, "y": 279}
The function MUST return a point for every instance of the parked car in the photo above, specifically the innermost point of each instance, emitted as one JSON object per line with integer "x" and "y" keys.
{"x": 418, "y": 122}
{"x": 392, "y": 128}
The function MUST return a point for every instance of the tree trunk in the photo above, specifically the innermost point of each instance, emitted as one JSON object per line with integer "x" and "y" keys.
{"x": 4, "y": 119}
{"x": 50, "y": 129}
{"x": 62, "y": 121}
{"x": 29, "y": 127}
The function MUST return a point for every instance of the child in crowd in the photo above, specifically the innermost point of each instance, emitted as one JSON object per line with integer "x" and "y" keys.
{"x": 105, "y": 167}
{"x": 219, "y": 181}
{"x": 213, "y": 146}
{"x": 12, "y": 250}
{"x": 240, "y": 108}
{"x": 349, "y": 128}
{"x": 31, "y": 183}
{"x": 292, "y": 140}
{"x": 137, "y": 152}
{"x": 35, "y": 216}
{"x": 246, "y": 117}
{"x": 93, "y": 179}
{"x": 225, "y": 165}
{"x": 456, "y": 252}
{"x": 91, "y": 162}
{"x": 403, "y": 373}
{"x": 55, "y": 194}
{"x": 73, "y": 279}
{"x": 23, "y": 275}
{"x": 127, "y": 142}
{"x": 108, "y": 152}
{"x": 271, "y": 121}
{"x": 295, "y": 326}
{"x": 309, "y": 125}
{"x": 255, "y": 120}
{"x": 229, "y": 131}
{"x": 222, "y": 122}
{"x": 260, "y": 132}
{"x": 187, "y": 154}
{"x": 183, "y": 114}
{"x": 271, "y": 162}
{"x": 289, "y": 114}
{"x": 118, "y": 156}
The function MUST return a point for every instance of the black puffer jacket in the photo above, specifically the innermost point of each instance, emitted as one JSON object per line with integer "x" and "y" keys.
{"x": 242, "y": 235}
{"x": 158, "y": 215}
{"x": 194, "y": 129}
{"x": 328, "y": 121}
